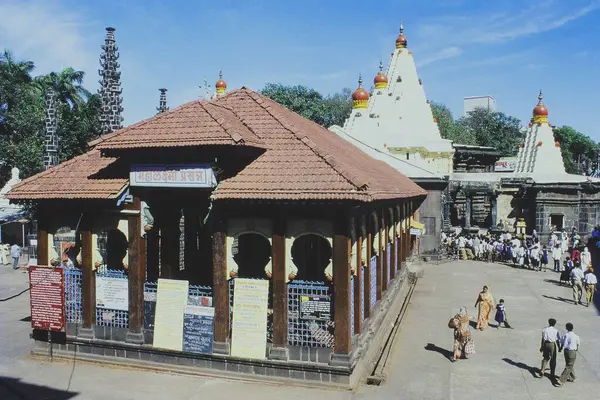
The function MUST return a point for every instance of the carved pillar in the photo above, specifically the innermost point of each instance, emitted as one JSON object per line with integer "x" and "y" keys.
{"x": 280, "y": 315}
{"x": 341, "y": 282}
{"x": 468, "y": 211}
{"x": 220, "y": 284}
{"x": 136, "y": 276}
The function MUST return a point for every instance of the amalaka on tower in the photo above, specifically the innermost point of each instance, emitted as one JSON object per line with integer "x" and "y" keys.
{"x": 397, "y": 117}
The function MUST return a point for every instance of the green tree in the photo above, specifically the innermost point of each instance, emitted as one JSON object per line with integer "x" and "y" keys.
{"x": 312, "y": 105}
{"x": 494, "y": 129}
{"x": 448, "y": 127}
{"x": 578, "y": 150}
{"x": 67, "y": 84}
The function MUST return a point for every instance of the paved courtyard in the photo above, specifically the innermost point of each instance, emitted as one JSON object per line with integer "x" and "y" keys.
{"x": 417, "y": 369}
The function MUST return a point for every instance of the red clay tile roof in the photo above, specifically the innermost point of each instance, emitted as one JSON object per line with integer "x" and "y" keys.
{"x": 71, "y": 180}
{"x": 197, "y": 123}
{"x": 302, "y": 161}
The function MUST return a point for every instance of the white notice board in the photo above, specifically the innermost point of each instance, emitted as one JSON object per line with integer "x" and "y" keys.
{"x": 112, "y": 293}
{"x": 171, "y": 299}
{"x": 249, "y": 326}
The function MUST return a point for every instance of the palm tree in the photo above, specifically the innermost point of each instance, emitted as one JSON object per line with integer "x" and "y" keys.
{"x": 15, "y": 71}
{"x": 67, "y": 84}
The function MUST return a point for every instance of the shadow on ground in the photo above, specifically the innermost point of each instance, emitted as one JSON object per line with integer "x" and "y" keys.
{"x": 555, "y": 282}
{"x": 15, "y": 389}
{"x": 532, "y": 370}
{"x": 446, "y": 353}
{"x": 558, "y": 298}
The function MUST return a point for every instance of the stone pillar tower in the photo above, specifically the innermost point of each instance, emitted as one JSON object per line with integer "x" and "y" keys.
{"x": 110, "y": 85}
{"x": 51, "y": 123}
{"x": 162, "y": 102}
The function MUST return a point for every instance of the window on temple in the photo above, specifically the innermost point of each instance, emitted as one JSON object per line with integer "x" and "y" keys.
{"x": 251, "y": 252}
{"x": 311, "y": 254}
{"x": 556, "y": 221}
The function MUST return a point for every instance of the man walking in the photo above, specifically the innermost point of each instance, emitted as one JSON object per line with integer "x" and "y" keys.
{"x": 577, "y": 282}
{"x": 15, "y": 253}
{"x": 590, "y": 281}
{"x": 570, "y": 343}
{"x": 550, "y": 340}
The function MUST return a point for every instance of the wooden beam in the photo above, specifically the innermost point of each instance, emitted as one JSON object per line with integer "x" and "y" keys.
{"x": 42, "y": 245}
{"x": 369, "y": 245}
{"x": 280, "y": 314}
{"x": 220, "y": 283}
{"x": 88, "y": 279}
{"x": 386, "y": 240}
{"x": 136, "y": 276}
{"x": 379, "y": 258}
{"x": 394, "y": 255}
{"x": 341, "y": 284}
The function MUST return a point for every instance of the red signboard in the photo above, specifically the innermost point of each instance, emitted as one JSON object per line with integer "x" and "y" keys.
{"x": 47, "y": 294}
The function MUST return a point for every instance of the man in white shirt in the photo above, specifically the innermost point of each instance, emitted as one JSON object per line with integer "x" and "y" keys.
{"x": 570, "y": 344}
{"x": 577, "y": 281}
{"x": 590, "y": 281}
{"x": 550, "y": 340}
{"x": 15, "y": 253}
{"x": 556, "y": 256}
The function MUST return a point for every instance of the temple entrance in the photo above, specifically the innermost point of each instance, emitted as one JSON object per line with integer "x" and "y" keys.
{"x": 311, "y": 254}
{"x": 252, "y": 253}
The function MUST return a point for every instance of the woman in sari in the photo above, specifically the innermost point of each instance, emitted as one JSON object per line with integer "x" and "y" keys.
{"x": 462, "y": 334}
{"x": 486, "y": 305}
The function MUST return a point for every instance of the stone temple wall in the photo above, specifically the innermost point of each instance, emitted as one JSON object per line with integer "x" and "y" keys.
{"x": 430, "y": 214}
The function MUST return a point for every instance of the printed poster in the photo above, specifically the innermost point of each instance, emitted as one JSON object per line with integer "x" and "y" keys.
{"x": 249, "y": 326}
{"x": 171, "y": 300}
{"x": 112, "y": 293}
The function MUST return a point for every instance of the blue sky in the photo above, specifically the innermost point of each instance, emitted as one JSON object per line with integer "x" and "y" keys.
{"x": 508, "y": 49}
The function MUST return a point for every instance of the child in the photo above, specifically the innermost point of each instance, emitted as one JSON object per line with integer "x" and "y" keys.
{"x": 565, "y": 275}
{"x": 544, "y": 259}
{"x": 501, "y": 315}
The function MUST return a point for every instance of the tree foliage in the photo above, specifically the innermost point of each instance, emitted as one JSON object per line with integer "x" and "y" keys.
{"x": 22, "y": 115}
{"x": 578, "y": 150}
{"x": 448, "y": 127}
{"x": 312, "y": 105}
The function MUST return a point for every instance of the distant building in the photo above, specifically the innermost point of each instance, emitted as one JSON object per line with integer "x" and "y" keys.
{"x": 473, "y": 102}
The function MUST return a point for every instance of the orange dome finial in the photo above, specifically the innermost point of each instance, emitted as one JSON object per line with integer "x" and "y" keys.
{"x": 221, "y": 85}
{"x": 401, "y": 41}
{"x": 540, "y": 112}
{"x": 380, "y": 80}
{"x": 360, "y": 97}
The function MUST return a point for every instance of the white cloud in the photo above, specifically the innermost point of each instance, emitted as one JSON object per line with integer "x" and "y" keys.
{"x": 445, "y": 53}
{"x": 48, "y": 34}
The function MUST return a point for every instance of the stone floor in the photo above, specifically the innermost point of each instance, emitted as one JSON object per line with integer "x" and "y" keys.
{"x": 417, "y": 369}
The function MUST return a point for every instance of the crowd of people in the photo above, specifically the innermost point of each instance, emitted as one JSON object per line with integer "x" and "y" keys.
{"x": 568, "y": 257}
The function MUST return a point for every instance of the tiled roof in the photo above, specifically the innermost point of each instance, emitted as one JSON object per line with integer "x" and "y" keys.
{"x": 302, "y": 161}
{"x": 197, "y": 123}
{"x": 76, "y": 178}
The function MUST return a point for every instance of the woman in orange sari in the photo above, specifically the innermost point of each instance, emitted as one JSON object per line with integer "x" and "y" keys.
{"x": 462, "y": 335}
{"x": 486, "y": 305}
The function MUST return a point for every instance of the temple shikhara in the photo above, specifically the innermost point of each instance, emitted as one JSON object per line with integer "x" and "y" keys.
{"x": 231, "y": 234}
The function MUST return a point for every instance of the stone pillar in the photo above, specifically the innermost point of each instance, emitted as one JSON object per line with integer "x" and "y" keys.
{"x": 494, "y": 211}
{"x": 341, "y": 289}
{"x": 88, "y": 283}
{"x": 468, "y": 211}
{"x": 220, "y": 284}
{"x": 279, "y": 350}
{"x": 136, "y": 275}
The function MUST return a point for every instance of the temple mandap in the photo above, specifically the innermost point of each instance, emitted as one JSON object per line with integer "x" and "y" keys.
{"x": 214, "y": 191}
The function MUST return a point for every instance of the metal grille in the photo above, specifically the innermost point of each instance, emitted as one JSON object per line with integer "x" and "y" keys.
{"x": 362, "y": 290}
{"x": 307, "y": 333}
{"x": 108, "y": 316}
{"x": 352, "y": 305}
{"x": 388, "y": 252}
{"x": 373, "y": 288}
{"x": 150, "y": 290}
{"x": 269, "y": 309}
{"x": 73, "y": 296}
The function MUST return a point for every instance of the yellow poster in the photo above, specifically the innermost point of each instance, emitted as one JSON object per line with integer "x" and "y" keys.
{"x": 249, "y": 326}
{"x": 171, "y": 299}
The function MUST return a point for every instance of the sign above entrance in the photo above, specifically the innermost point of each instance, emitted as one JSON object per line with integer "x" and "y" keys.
{"x": 172, "y": 175}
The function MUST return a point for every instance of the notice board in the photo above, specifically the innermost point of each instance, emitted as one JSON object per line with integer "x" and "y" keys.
{"x": 315, "y": 308}
{"x": 249, "y": 325}
{"x": 47, "y": 298}
{"x": 198, "y": 329}
{"x": 112, "y": 293}
{"x": 171, "y": 299}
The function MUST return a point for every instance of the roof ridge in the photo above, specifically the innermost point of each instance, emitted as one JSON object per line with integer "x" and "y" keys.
{"x": 328, "y": 158}
{"x": 222, "y": 122}
{"x": 110, "y": 135}
{"x": 241, "y": 120}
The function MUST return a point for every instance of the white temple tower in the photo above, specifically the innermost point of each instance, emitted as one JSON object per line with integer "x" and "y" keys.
{"x": 540, "y": 153}
{"x": 397, "y": 117}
